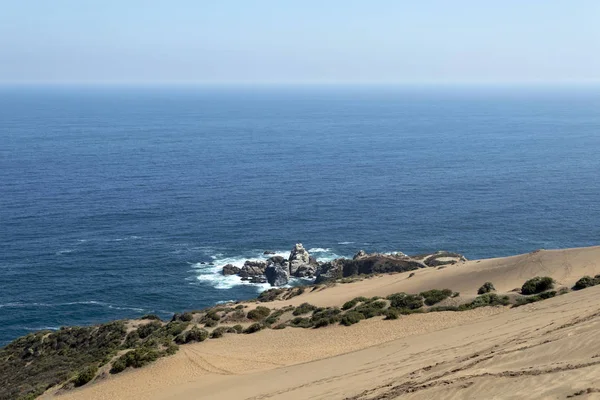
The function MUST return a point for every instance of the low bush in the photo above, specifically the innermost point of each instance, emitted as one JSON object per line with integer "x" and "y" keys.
{"x": 138, "y": 358}
{"x": 279, "y": 326}
{"x": 488, "y": 299}
{"x": 259, "y": 313}
{"x": 270, "y": 295}
{"x": 370, "y": 310}
{"x": 586, "y": 281}
{"x": 193, "y": 335}
{"x": 443, "y": 308}
{"x": 184, "y": 317}
{"x": 217, "y": 333}
{"x": 434, "y": 296}
{"x": 521, "y": 301}
{"x": 150, "y": 316}
{"x": 349, "y": 304}
{"x": 391, "y": 314}
{"x": 405, "y": 301}
{"x": 253, "y": 328}
{"x": 238, "y": 328}
{"x": 351, "y": 318}
{"x": 486, "y": 288}
{"x": 325, "y": 316}
{"x": 537, "y": 285}
{"x": 304, "y": 308}
{"x": 301, "y": 322}
{"x": 146, "y": 330}
{"x": 211, "y": 323}
{"x": 86, "y": 375}
{"x": 175, "y": 328}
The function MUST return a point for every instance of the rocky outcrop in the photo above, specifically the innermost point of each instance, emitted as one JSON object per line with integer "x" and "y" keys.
{"x": 276, "y": 275}
{"x": 230, "y": 269}
{"x": 364, "y": 264}
{"x": 302, "y": 265}
{"x": 298, "y": 257}
{"x": 253, "y": 268}
{"x": 443, "y": 258}
{"x": 268, "y": 252}
{"x": 329, "y": 271}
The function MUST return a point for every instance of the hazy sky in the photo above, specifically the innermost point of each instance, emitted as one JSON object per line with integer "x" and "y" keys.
{"x": 260, "y": 41}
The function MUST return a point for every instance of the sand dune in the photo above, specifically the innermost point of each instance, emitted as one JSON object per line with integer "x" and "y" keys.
{"x": 548, "y": 349}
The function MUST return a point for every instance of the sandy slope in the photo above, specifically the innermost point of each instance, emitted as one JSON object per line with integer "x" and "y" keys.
{"x": 549, "y": 349}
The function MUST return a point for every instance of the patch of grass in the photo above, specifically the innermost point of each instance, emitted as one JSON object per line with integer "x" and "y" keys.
{"x": 434, "y": 296}
{"x": 259, "y": 313}
{"x": 304, "y": 308}
{"x": 405, "y": 301}
{"x": 370, "y": 310}
{"x": 486, "y": 288}
{"x": 537, "y": 285}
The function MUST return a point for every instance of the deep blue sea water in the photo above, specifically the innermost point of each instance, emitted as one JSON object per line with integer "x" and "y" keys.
{"x": 112, "y": 198}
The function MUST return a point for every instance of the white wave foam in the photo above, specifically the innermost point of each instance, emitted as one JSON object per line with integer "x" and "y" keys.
{"x": 89, "y": 302}
{"x": 318, "y": 250}
{"x": 64, "y": 251}
{"x": 345, "y": 243}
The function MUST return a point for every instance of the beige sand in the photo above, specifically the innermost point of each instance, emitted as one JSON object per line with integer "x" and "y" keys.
{"x": 549, "y": 349}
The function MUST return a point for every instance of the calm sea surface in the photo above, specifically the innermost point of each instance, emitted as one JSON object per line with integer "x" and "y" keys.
{"x": 115, "y": 202}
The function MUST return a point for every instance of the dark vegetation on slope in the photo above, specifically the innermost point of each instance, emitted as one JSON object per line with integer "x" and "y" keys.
{"x": 77, "y": 355}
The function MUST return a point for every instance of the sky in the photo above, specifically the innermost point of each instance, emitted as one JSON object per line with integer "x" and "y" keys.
{"x": 303, "y": 41}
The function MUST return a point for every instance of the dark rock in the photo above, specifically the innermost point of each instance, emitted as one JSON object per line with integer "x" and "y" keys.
{"x": 276, "y": 260}
{"x": 368, "y": 264}
{"x": 253, "y": 268}
{"x": 267, "y": 252}
{"x": 443, "y": 258}
{"x": 329, "y": 271}
{"x": 231, "y": 270}
{"x": 360, "y": 254}
{"x": 276, "y": 275}
{"x": 258, "y": 279}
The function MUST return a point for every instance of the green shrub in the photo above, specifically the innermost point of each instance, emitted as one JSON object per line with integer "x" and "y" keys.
{"x": 86, "y": 375}
{"x": 443, "y": 308}
{"x": 351, "y": 318}
{"x": 304, "y": 308}
{"x": 537, "y": 285}
{"x": 486, "y": 288}
{"x": 301, "y": 322}
{"x": 146, "y": 330}
{"x": 405, "y": 301}
{"x": 171, "y": 349}
{"x": 150, "y": 316}
{"x": 325, "y": 316}
{"x": 279, "y": 326}
{"x": 217, "y": 333}
{"x": 391, "y": 314}
{"x": 211, "y": 323}
{"x": 488, "y": 299}
{"x": 253, "y": 328}
{"x": 118, "y": 366}
{"x": 175, "y": 328}
{"x": 239, "y": 307}
{"x": 193, "y": 335}
{"x": 434, "y": 296}
{"x": 349, "y": 304}
{"x": 521, "y": 301}
{"x": 238, "y": 328}
{"x": 259, "y": 313}
{"x": 369, "y": 310}
{"x": 270, "y": 295}
{"x": 136, "y": 358}
{"x": 185, "y": 317}
{"x": 585, "y": 282}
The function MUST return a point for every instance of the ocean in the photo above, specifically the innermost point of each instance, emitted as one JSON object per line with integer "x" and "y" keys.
{"x": 121, "y": 201}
